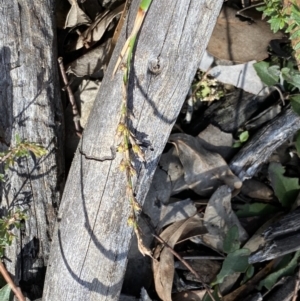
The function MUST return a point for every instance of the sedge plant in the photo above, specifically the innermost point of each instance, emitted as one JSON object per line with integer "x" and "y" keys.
{"x": 129, "y": 145}
{"x": 15, "y": 216}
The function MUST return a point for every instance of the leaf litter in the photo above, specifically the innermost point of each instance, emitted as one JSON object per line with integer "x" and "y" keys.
{"x": 219, "y": 223}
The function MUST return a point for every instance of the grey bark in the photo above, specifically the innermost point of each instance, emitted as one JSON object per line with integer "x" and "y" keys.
{"x": 280, "y": 238}
{"x": 92, "y": 238}
{"x": 285, "y": 291}
{"x": 260, "y": 147}
{"x": 30, "y": 107}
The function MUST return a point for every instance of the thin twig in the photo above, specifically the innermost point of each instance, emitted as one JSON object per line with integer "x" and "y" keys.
{"x": 75, "y": 112}
{"x": 17, "y": 291}
{"x": 204, "y": 257}
{"x": 5, "y": 157}
{"x": 248, "y": 7}
{"x": 280, "y": 94}
{"x": 207, "y": 288}
{"x": 296, "y": 285}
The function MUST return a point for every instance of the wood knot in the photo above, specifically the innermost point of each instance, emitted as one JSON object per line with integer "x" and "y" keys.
{"x": 156, "y": 65}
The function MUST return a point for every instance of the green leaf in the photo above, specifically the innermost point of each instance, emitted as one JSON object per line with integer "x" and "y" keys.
{"x": 18, "y": 139}
{"x": 248, "y": 275}
{"x": 297, "y": 142}
{"x": 205, "y": 90}
{"x": 268, "y": 75}
{"x": 231, "y": 241}
{"x": 249, "y": 272}
{"x": 256, "y": 209}
{"x": 275, "y": 24}
{"x": 236, "y": 261}
{"x": 261, "y": 8}
{"x": 290, "y": 27}
{"x": 286, "y": 189}
{"x": 244, "y": 136}
{"x": 237, "y": 144}
{"x": 5, "y": 293}
{"x": 145, "y": 4}
{"x": 292, "y": 77}
{"x": 2, "y": 177}
{"x": 283, "y": 270}
{"x": 297, "y": 46}
{"x": 295, "y": 9}
{"x": 295, "y": 19}
{"x": 295, "y": 102}
{"x": 295, "y": 35}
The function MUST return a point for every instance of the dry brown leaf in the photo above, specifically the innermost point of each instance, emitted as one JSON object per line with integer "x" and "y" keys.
{"x": 163, "y": 264}
{"x": 76, "y": 15}
{"x": 239, "y": 41}
{"x": 204, "y": 171}
{"x": 257, "y": 190}
{"x": 219, "y": 218}
{"x": 171, "y": 163}
{"x": 85, "y": 96}
{"x": 97, "y": 29}
{"x": 91, "y": 62}
{"x": 215, "y": 140}
{"x": 175, "y": 212}
{"x": 206, "y": 269}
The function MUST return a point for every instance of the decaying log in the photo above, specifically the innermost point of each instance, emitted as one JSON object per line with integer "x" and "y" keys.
{"x": 229, "y": 114}
{"x": 280, "y": 238}
{"x": 30, "y": 106}
{"x": 284, "y": 291}
{"x": 260, "y": 147}
{"x": 92, "y": 238}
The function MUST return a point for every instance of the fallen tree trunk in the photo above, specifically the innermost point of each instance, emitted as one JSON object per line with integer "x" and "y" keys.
{"x": 261, "y": 146}
{"x": 30, "y": 107}
{"x": 92, "y": 238}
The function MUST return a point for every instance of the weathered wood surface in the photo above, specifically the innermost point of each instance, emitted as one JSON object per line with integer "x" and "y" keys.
{"x": 91, "y": 242}
{"x": 280, "y": 238}
{"x": 260, "y": 147}
{"x": 30, "y": 106}
{"x": 229, "y": 114}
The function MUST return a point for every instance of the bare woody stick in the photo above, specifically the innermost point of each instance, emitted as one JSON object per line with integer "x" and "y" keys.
{"x": 207, "y": 288}
{"x": 17, "y": 291}
{"x": 76, "y": 116}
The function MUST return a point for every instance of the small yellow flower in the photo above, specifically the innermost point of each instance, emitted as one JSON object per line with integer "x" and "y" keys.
{"x": 121, "y": 128}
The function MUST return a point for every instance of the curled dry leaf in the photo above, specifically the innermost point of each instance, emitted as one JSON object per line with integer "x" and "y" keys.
{"x": 219, "y": 218}
{"x": 167, "y": 181}
{"x": 215, "y": 140}
{"x": 204, "y": 171}
{"x": 242, "y": 76}
{"x": 171, "y": 163}
{"x": 97, "y": 29}
{"x": 239, "y": 41}
{"x": 85, "y": 96}
{"x": 175, "y": 212}
{"x": 91, "y": 62}
{"x": 163, "y": 263}
{"x": 76, "y": 15}
{"x": 257, "y": 190}
{"x": 206, "y": 269}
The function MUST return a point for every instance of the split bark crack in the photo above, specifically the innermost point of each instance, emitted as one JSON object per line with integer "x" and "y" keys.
{"x": 101, "y": 159}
